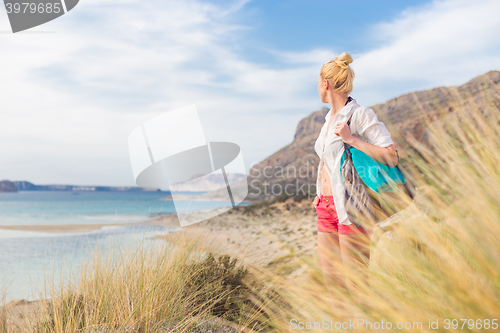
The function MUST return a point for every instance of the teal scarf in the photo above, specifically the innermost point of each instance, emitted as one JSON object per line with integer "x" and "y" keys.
{"x": 377, "y": 176}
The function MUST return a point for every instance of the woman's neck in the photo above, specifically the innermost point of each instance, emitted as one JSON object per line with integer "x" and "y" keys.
{"x": 337, "y": 102}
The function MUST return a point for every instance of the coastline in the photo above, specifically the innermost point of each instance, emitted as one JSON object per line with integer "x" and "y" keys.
{"x": 164, "y": 220}
{"x": 255, "y": 235}
{"x": 199, "y": 197}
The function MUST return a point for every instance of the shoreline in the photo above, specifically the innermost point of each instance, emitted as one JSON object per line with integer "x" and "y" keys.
{"x": 166, "y": 219}
{"x": 199, "y": 197}
{"x": 62, "y": 228}
{"x": 260, "y": 235}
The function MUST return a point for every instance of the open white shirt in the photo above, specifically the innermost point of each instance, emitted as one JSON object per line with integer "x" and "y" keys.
{"x": 365, "y": 126}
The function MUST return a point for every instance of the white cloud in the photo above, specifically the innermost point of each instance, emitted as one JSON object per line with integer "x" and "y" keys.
{"x": 69, "y": 99}
{"x": 442, "y": 43}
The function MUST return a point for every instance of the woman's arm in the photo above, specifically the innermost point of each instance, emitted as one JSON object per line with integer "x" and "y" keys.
{"x": 384, "y": 155}
{"x": 381, "y": 146}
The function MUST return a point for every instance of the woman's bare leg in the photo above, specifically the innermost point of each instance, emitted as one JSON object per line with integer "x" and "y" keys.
{"x": 355, "y": 250}
{"x": 331, "y": 261}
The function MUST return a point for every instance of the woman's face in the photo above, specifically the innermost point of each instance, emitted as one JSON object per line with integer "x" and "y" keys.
{"x": 322, "y": 89}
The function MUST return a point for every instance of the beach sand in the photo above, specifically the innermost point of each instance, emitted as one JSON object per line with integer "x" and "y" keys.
{"x": 265, "y": 235}
{"x": 77, "y": 228}
{"x": 259, "y": 235}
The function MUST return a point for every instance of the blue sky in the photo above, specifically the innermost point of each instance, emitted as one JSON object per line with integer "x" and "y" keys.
{"x": 73, "y": 89}
{"x": 302, "y": 24}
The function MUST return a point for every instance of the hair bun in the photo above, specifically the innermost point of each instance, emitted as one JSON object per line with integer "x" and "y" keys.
{"x": 343, "y": 60}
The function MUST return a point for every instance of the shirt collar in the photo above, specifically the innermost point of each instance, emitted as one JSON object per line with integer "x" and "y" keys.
{"x": 344, "y": 111}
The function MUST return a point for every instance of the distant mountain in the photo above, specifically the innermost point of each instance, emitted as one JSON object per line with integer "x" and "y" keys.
{"x": 27, "y": 186}
{"x": 7, "y": 186}
{"x": 209, "y": 183}
{"x": 198, "y": 184}
{"x": 294, "y": 167}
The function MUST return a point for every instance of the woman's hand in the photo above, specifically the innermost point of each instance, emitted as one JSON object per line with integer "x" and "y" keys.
{"x": 343, "y": 130}
{"x": 316, "y": 201}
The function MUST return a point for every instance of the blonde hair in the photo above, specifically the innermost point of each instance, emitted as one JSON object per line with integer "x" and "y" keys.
{"x": 339, "y": 73}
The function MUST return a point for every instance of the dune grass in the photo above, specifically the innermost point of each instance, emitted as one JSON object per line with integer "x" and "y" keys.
{"x": 438, "y": 269}
{"x": 3, "y": 313}
{"x": 155, "y": 287}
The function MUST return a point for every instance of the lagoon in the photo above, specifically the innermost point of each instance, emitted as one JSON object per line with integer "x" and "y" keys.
{"x": 27, "y": 257}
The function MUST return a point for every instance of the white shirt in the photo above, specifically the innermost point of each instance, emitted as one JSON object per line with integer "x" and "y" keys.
{"x": 365, "y": 126}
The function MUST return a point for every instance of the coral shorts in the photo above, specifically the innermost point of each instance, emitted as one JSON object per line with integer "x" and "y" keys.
{"x": 328, "y": 220}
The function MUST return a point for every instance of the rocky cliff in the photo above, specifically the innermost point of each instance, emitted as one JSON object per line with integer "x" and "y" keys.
{"x": 292, "y": 170}
{"x": 7, "y": 186}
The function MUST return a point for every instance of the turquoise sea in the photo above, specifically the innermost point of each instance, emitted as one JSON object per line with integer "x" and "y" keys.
{"x": 27, "y": 257}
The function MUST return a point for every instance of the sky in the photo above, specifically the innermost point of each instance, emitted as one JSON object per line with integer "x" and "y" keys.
{"x": 72, "y": 90}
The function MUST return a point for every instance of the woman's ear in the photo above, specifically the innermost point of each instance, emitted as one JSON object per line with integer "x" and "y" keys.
{"x": 326, "y": 84}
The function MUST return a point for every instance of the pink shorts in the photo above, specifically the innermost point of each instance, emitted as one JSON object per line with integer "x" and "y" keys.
{"x": 328, "y": 220}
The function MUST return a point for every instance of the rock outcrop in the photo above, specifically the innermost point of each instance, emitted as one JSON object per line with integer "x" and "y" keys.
{"x": 7, "y": 186}
{"x": 292, "y": 170}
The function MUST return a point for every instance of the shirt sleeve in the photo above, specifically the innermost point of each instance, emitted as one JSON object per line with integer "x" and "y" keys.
{"x": 370, "y": 127}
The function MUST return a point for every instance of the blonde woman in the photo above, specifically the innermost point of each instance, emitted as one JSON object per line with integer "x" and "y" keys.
{"x": 340, "y": 243}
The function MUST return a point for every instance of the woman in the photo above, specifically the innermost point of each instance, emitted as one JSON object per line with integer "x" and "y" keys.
{"x": 337, "y": 237}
